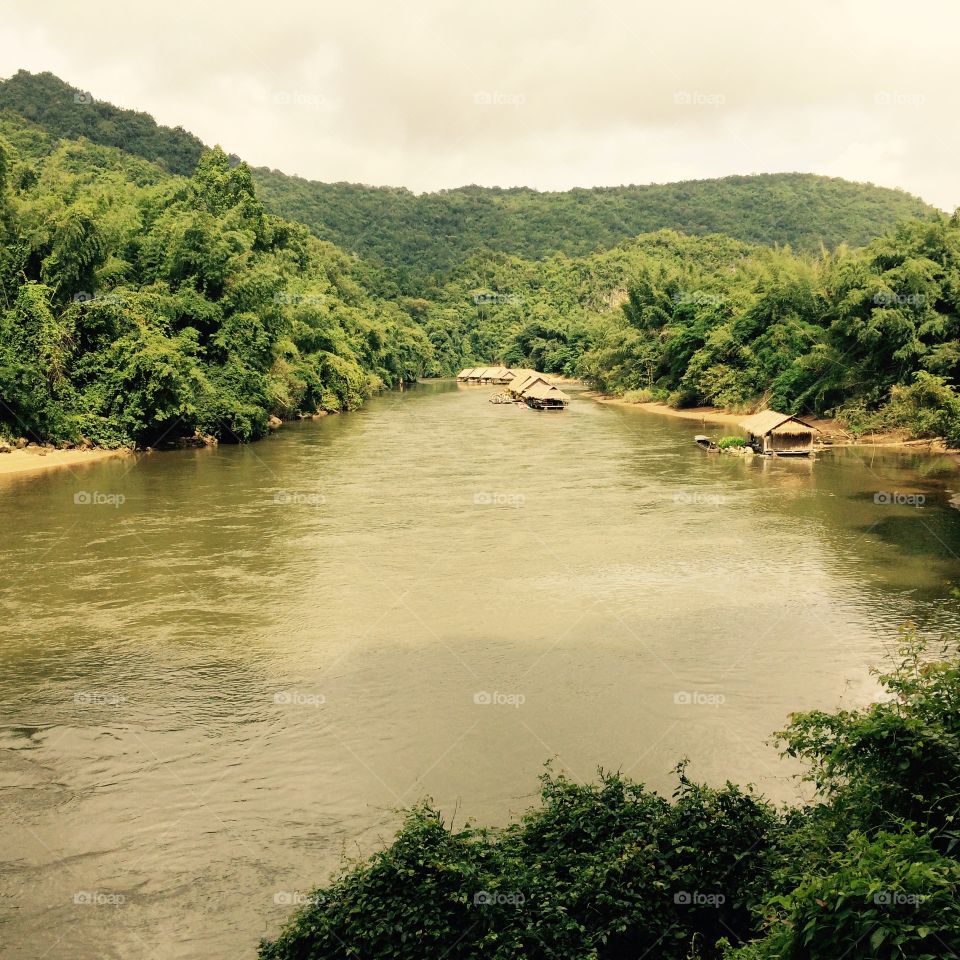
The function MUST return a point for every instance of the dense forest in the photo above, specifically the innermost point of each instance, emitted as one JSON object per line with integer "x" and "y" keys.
{"x": 244, "y": 315}
{"x": 871, "y": 335}
{"x": 140, "y": 308}
{"x": 68, "y": 113}
{"x": 613, "y": 871}
{"x": 416, "y": 235}
{"x": 413, "y": 236}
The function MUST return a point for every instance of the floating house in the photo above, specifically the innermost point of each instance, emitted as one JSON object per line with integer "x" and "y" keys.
{"x": 779, "y": 434}
{"x": 499, "y": 375}
{"x": 485, "y": 375}
{"x": 525, "y": 379}
{"x": 545, "y": 396}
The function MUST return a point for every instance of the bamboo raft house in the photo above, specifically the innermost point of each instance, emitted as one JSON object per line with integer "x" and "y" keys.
{"x": 525, "y": 379}
{"x": 523, "y": 386}
{"x": 779, "y": 434}
{"x": 545, "y": 396}
{"x": 500, "y": 375}
{"x": 485, "y": 375}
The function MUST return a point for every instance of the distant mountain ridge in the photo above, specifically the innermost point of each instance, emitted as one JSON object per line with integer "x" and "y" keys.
{"x": 69, "y": 112}
{"x": 415, "y": 235}
{"x": 436, "y": 231}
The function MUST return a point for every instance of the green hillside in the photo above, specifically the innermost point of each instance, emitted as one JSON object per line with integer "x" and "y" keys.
{"x": 416, "y": 235}
{"x": 243, "y": 315}
{"x": 140, "y": 308}
{"x": 436, "y": 231}
{"x": 68, "y": 112}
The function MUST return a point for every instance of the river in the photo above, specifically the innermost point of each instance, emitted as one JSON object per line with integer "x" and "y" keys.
{"x": 223, "y": 669}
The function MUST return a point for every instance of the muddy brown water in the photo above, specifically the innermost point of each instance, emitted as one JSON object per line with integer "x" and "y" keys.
{"x": 221, "y": 670}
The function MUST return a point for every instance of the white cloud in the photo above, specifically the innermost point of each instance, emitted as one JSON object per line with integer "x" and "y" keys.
{"x": 432, "y": 94}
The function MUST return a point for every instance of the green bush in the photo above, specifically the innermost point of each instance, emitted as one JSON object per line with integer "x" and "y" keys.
{"x": 928, "y": 407}
{"x": 886, "y": 895}
{"x": 611, "y": 871}
{"x": 725, "y": 442}
{"x": 644, "y": 395}
{"x": 604, "y": 870}
{"x": 140, "y": 313}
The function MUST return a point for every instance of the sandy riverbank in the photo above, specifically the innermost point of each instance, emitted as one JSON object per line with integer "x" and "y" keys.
{"x": 829, "y": 430}
{"x": 32, "y": 460}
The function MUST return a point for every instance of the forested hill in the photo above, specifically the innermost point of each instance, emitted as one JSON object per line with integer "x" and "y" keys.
{"x": 68, "y": 112}
{"x": 436, "y": 231}
{"x": 139, "y": 308}
{"x": 420, "y": 234}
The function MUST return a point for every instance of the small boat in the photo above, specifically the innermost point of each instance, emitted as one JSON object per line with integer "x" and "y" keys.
{"x": 705, "y": 442}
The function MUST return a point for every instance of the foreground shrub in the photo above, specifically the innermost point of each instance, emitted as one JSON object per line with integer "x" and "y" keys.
{"x": 887, "y": 896}
{"x": 606, "y": 870}
{"x": 613, "y": 871}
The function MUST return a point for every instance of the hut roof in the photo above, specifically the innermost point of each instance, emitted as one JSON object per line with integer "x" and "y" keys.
{"x": 527, "y": 384}
{"x": 465, "y": 372}
{"x": 546, "y": 391}
{"x": 763, "y": 423}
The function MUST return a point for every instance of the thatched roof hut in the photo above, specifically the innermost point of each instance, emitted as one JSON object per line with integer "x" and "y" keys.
{"x": 520, "y": 384}
{"x": 779, "y": 434}
{"x": 545, "y": 396}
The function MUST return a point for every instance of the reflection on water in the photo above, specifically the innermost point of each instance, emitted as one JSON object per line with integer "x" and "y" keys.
{"x": 215, "y": 689}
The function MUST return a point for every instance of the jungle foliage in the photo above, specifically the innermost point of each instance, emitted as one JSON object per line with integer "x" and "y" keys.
{"x": 417, "y": 237}
{"x": 613, "y": 871}
{"x": 430, "y": 234}
{"x": 869, "y": 335}
{"x": 138, "y": 308}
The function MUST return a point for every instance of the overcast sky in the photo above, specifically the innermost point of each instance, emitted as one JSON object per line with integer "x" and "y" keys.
{"x": 545, "y": 93}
